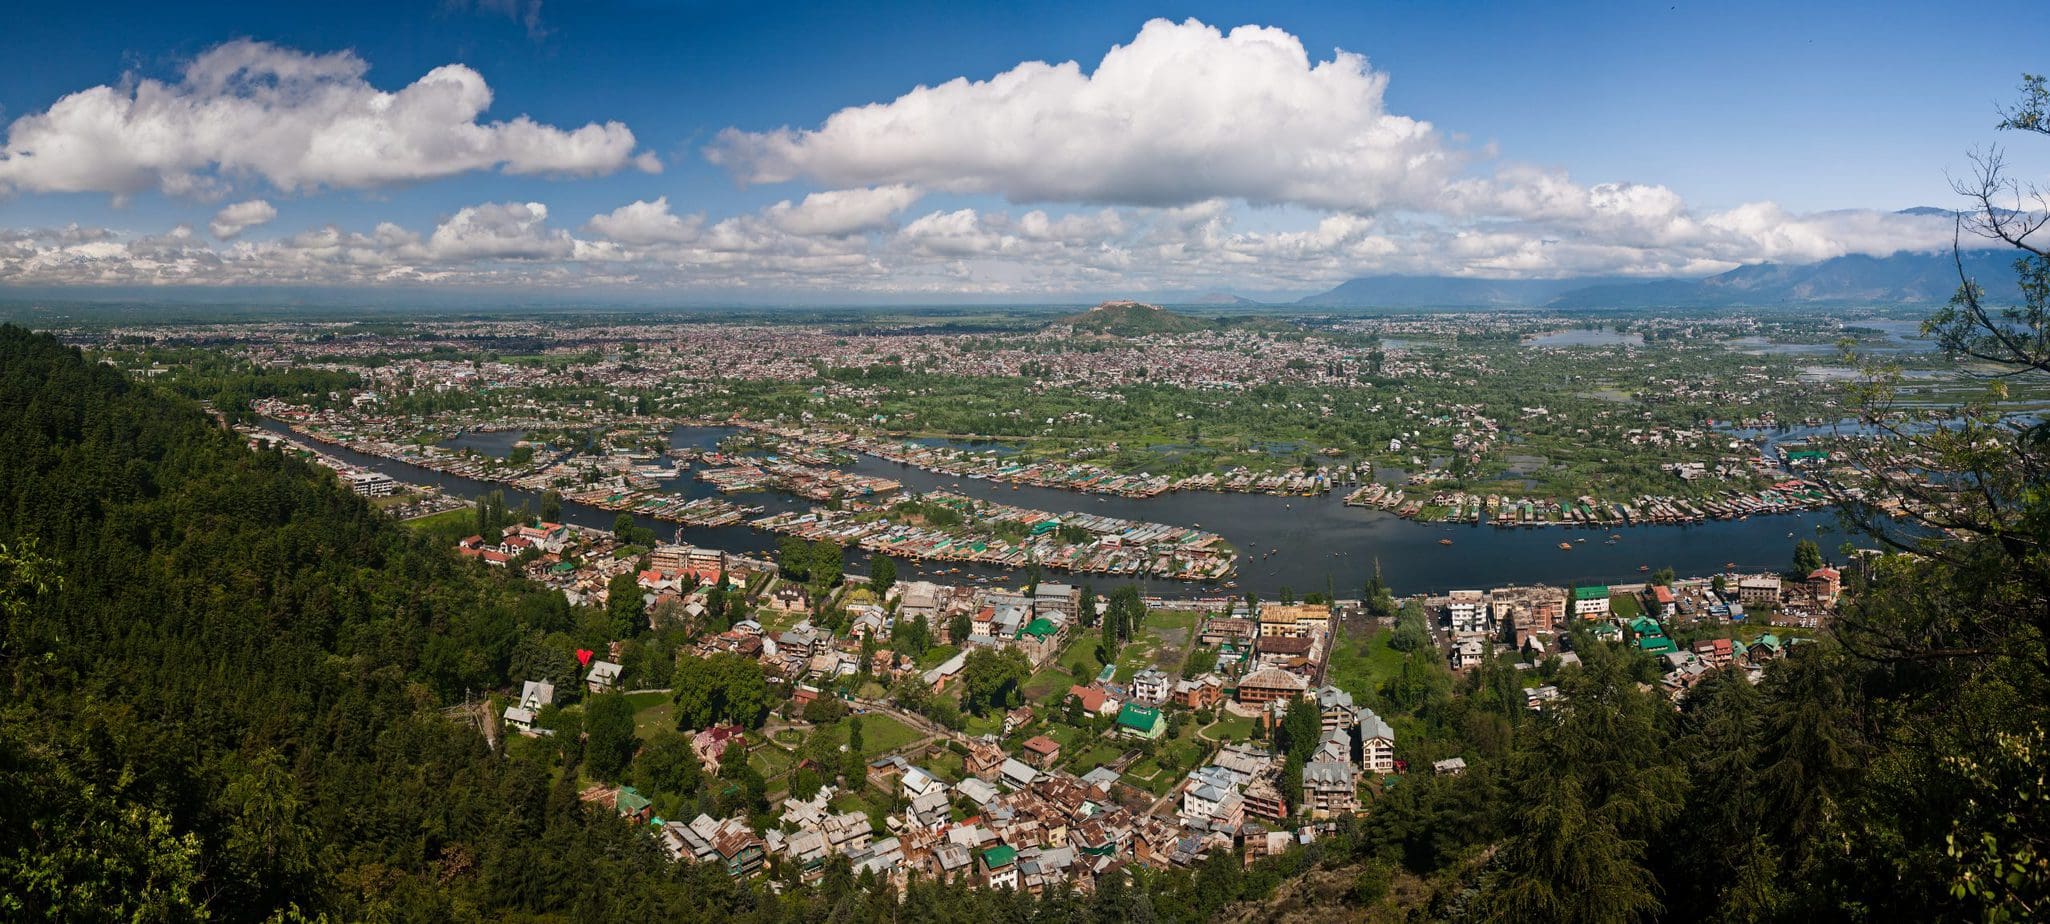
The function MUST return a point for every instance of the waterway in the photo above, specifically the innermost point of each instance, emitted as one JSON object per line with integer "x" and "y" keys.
{"x": 1305, "y": 543}
{"x": 497, "y": 444}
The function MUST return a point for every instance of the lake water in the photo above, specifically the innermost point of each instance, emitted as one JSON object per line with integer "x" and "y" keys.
{"x": 1760, "y": 346}
{"x": 1315, "y": 541}
{"x": 497, "y": 444}
{"x": 1580, "y": 337}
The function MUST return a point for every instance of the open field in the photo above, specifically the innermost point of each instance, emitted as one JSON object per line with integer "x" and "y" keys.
{"x": 1360, "y": 667}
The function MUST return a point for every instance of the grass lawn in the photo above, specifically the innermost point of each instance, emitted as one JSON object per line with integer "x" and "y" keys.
{"x": 1360, "y": 668}
{"x": 775, "y": 621}
{"x": 653, "y": 712}
{"x": 1080, "y": 657}
{"x": 1095, "y": 755}
{"x": 1149, "y": 776}
{"x": 936, "y": 656}
{"x": 880, "y": 734}
{"x": 448, "y": 520}
{"x": 1625, "y": 606}
{"x": 1184, "y": 620}
{"x": 770, "y": 762}
{"x": 393, "y": 500}
{"x": 849, "y": 801}
{"x": 975, "y": 725}
{"x": 1230, "y": 728}
{"x": 948, "y": 765}
{"x": 1067, "y": 735}
{"x": 1050, "y": 685}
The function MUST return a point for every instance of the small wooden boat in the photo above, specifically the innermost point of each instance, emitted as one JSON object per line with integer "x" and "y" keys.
{"x": 1444, "y": 542}
{"x": 1565, "y": 546}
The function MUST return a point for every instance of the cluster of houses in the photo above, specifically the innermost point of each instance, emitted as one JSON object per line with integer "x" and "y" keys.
{"x": 1009, "y": 823}
{"x": 1533, "y": 620}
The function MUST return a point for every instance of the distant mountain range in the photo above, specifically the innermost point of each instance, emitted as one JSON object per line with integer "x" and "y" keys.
{"x": 1901, "y": 279}
{"x": 1448, "y": 292}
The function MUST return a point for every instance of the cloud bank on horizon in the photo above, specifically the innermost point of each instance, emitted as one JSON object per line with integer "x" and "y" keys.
{"x": 1187, "y": 158}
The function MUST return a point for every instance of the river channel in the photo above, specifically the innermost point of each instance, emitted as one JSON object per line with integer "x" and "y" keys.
{"x": 1304, "y": 543}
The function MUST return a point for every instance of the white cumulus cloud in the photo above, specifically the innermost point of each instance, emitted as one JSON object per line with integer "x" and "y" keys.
{"x": 643, "y": 222}
{"x": 843, "y": 211}
{"x": 499, "y": 231}
{"x": 240, "y": 217}
{"x": 1182, "y": 114}
{"x": 296, "y": 120}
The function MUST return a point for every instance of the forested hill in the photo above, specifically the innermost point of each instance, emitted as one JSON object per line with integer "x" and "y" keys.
{"x": 224, "y": 698}
{"x": 1132, "y": 319}
{"x": 224, "y": 680}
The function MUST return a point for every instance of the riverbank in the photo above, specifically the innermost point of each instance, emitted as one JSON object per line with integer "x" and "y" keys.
{"x": 1303, "y": 543}
{"x": 998, "y": 535}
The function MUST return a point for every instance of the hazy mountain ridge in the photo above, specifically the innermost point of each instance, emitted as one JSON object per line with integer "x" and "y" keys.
{"x": 1903, "y": 278}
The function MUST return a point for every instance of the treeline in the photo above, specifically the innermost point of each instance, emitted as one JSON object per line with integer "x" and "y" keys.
{"x": 1846, "y": 785}
{"x": 229, "y": 384}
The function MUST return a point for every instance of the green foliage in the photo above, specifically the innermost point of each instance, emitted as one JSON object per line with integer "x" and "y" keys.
{"x": 609, "y": 741}
{"x": 994, "y": 679}
{"x": 1299, "y": 730}
{"x": 1807, "y": 557}
{"x": 1599, "y": 784}
{"x": 882, "y": 574}
{"x": 666, "y": 765}
{"x": 627, "y": 531}
{"x": 722, "y": 688}
{"x": 1412, "y": 633}
{"x": 225, "y": 700}
{"x": 817, "y": 563}
{"x": 625, "y": 605}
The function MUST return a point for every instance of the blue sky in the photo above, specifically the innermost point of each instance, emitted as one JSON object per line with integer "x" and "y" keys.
{"x": 1684, "y": 113}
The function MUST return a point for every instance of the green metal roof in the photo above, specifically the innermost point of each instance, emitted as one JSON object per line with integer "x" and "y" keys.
{"x": 630, "y": 800}
{"x": 1138, "y": 718}
{"x": 1000, "y": 855}
{"x": 1591, "y": 593}
{"x": 1040, "y": 628}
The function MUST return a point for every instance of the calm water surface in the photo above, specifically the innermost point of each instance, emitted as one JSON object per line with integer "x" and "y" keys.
{"x": 1305, "y": 543}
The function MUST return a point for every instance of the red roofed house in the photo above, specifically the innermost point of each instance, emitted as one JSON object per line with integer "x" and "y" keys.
{"x": 1094, "y": 700}
{"x": 1042, "y": 752}
{"x": 1825, "y": 584}
{"x": 711, "y": 744}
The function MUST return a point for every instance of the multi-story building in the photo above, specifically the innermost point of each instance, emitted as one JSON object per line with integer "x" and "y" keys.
{"x": 1329, "y": 789}
{"x": 1377, "y": 743}
{"x": 1467, "y": 612}
{"x": 1270, "y": 684}
{"x": 1151, "y": 685}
